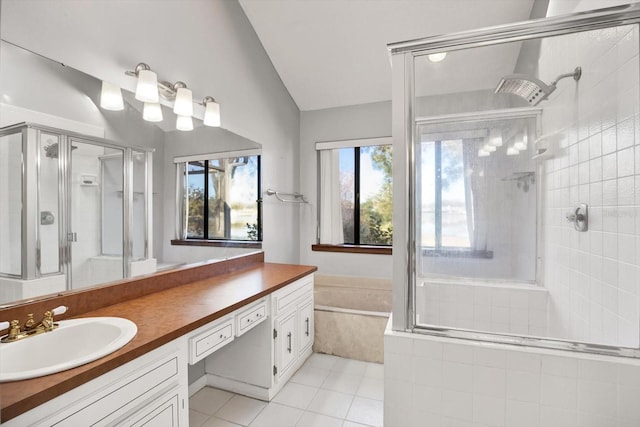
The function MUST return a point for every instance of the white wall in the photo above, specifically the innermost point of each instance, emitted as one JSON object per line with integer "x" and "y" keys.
{"x": 210, "y": 45}
{"x": 334, "y": 124}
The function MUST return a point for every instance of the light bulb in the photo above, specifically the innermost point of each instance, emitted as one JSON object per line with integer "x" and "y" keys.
{"x": 211, "y": 112}
{"x": 437, "y": 57}
{"x": 512, "y": 151}
{"x": 184, "y": 123}
{"x": 147, "y": 88}
{"x": 111, "y": 97}
{"x": 184, "y": 102}
{"x": 495, "y": 138}
{"x": 521, "y": 142}
{"x": 152, "y": 112}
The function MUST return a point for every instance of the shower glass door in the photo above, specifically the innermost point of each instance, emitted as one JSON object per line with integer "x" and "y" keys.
{"x": 96, "y": 208}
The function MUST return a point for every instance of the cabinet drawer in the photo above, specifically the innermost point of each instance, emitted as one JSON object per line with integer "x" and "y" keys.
{"x": 250, "y": 318}
{"x": 105, "y": 408}
{"x": 210, "y": 340}
{"x": 287, "y": 296}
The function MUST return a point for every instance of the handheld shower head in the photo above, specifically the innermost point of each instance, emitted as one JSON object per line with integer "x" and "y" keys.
{"x": 530, "y": 88}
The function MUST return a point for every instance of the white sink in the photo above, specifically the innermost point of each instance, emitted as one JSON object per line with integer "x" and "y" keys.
{"x": 74, "y": 343}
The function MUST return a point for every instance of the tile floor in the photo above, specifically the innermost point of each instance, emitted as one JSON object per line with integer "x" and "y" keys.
{"x": 326, "y": 391}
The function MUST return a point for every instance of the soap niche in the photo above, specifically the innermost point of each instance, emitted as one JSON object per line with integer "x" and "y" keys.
{"x": 88, "y": 180}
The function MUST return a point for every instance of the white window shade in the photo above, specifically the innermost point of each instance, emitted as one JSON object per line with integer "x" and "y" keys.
{"x": 331, "y": 228}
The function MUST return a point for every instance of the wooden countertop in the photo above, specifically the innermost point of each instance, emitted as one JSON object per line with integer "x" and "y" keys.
{"x": 161, "y": 317}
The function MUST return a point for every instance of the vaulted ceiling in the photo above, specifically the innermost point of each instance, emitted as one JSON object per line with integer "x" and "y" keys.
{"x": 332, "y": 53}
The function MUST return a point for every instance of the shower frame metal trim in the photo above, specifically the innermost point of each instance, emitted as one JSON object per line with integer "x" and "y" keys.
{"x": 402, "y": 56}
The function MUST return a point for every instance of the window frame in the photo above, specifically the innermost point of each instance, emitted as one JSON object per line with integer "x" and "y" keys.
{"x": 181, "y": 186}
{"x": 355, "y": 144}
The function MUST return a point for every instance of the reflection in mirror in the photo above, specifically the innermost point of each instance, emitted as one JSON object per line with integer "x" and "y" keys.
{"x": 96, "y": 180}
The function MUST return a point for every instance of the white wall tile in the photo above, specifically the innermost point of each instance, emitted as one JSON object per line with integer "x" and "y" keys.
{"x": 522, "y": 414}
{"x": 427, "y": 398}
{"x": 457, "y": 404}
{"x": 597, "y": 397}
{"x": 558, "y": 391}
{"x": 523, "y": 386}
{"x": 457, "y": 376}
{"x": 427, "y": 371}
{"x": 488, "y": 410}
{"x": 489, "y": 381}
{"x": 458, "y": 353}
{"x": 490, "y": 357}
{"x": 558, "y": 417}
{"x": 558, "y": 365}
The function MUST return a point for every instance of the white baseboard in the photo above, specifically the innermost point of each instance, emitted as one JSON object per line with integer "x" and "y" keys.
{"x": 238, "y": 387}
{"x": 198, "y": 385}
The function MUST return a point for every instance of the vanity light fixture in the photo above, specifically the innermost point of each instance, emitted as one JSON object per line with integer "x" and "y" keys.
{"x": 150, "y": 90}
{"x": 152, "y": 112}
{"x": 147, "y": 87}
{"x": 211, "y": 112}
{"x": 111, "y": 97}
{"x": 184, "y": 123}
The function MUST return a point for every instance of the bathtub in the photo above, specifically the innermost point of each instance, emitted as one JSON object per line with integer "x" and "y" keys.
{"x": 350, "y": 316}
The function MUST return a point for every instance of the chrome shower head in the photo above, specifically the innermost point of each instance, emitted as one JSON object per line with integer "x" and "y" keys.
{"x": 530, "y": 88}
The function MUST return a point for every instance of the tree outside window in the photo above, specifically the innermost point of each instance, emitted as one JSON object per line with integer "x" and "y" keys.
{"x": 366, "y": 196}
{"x": 223, "y": 194}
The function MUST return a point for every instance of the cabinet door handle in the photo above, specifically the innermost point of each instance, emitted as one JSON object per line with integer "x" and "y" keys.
{"x": 289, "y": 340}
{"x": 307, "y": 322}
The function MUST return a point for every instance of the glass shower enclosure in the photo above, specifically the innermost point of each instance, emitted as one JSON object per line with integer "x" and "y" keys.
{"x": 518, "y": 178}
{"x": 76, "y": 211}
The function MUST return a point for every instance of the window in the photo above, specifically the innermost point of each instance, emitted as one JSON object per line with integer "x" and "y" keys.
{"x": 220, "y": 198}
{"x": 446, "y": 200}
{"x": 355, "y": 193}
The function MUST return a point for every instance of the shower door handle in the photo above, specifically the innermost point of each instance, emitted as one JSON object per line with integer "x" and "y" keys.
{"x": 307, "y": 322}
{"x": 289, "y": 341}
{"x": 72, "y": 237}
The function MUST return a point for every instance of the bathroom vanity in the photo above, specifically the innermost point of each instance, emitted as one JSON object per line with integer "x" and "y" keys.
{"x": 250, "y": 321}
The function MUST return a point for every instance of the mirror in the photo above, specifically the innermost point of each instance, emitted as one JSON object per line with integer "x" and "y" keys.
{"x": 41, "y": 91}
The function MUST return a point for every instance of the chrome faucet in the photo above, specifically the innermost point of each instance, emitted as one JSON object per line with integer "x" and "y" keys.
{"x": 31, "y": 328}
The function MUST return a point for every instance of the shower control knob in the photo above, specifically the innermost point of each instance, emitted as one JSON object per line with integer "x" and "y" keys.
{"x": 579, "y": 217}
{"x": 573, "y": 217}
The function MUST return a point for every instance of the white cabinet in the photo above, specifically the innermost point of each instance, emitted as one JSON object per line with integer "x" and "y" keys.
{"x": 306, "y": 326}
{"x": 286, "y": 344}
{"x": 261, "y": 362}
{"x": 293, "y": 313}
{"x": 151, "y": 390}
{"x": 162, "y": 412}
